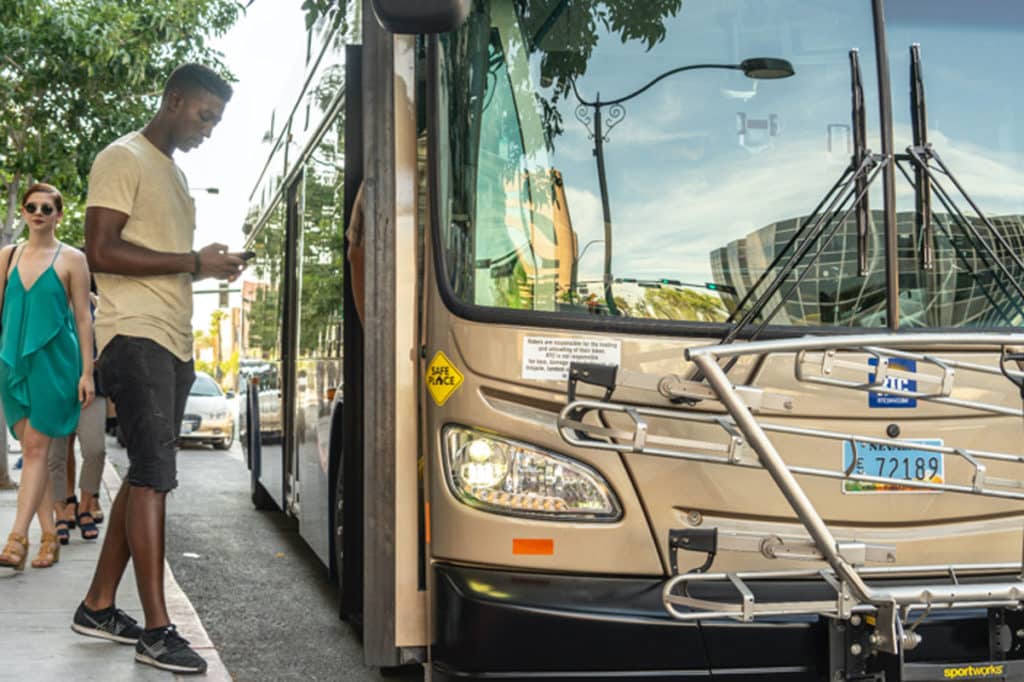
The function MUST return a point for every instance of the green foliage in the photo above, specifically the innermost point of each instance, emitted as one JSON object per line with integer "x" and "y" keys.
{"x": 675, "y": 304}
{"x": 323, "y": 13}
{"x": 77, "y": 74}
{"x": 263, "y": 311}
{"x": 323, "y": 259}
{"x": 566, "y": 33}
{"x": 207, "y": 367}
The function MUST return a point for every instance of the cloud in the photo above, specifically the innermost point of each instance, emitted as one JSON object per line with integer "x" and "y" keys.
{"x": 667, "y": 224}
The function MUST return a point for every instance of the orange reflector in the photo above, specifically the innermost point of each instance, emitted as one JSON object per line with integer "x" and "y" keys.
{"x": 533, "y": 546}
{"x": 426, "y": 522}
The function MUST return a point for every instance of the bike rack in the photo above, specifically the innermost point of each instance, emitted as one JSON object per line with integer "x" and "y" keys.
{"x": 737, "y": 411}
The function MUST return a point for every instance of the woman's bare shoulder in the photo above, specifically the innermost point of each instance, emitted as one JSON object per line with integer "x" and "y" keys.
{"x": 71, "y": 259}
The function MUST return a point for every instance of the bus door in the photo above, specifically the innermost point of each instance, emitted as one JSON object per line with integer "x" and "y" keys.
{"x": 266, "y": 339}
{"x": 293, "y": 213}
{"x": 394, "y": 601}
{"x": 318, "y": 283}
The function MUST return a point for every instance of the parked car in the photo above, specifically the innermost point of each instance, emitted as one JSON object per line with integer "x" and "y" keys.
{"x": 209, "y": 417}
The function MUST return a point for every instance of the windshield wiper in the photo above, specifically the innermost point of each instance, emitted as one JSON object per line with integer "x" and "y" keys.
{"x": 922, "y": 183}
{"x": 926, "y": 183}
{"x": 847, "y": 195}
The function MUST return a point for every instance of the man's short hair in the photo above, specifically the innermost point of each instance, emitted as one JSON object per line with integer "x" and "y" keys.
{"x": 190, "y": 77}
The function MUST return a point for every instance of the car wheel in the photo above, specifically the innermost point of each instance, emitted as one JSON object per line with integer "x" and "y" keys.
{"x": 225, "y": 443}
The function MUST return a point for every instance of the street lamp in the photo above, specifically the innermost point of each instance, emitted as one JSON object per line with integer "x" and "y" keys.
{"x": 760, "y": 68}
{"x": 208, "y": 190}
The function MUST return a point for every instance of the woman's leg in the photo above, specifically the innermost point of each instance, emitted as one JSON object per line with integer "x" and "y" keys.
{"x": 93, "y": 441}
{"x": 35, "y": 477}
{"x": 94, "y": 454}
{"x": 45, "y": 510}
{"x": 57, "y": 458}
{"x": 57, "y": 461}
{"x": 49, "y": 549}
{"x": 69, "y": 455}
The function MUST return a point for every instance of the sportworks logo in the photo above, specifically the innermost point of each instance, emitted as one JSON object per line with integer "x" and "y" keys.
{"x": 973, "y": 672}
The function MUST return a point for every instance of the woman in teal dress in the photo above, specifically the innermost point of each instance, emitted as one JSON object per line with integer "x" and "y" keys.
{"x": 45, "y": 360}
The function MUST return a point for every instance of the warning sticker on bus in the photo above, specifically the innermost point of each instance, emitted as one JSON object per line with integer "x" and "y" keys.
{"x": 547, "y": 358}
{"x": 897, "y": 464}
{"x": 443, "y": 378}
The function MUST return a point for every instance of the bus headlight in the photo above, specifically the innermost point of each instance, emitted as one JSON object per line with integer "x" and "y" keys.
{"x": 508, "y": 477}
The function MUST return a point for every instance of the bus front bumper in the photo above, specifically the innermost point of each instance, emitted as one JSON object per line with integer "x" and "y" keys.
{"x": 505, "y": 625}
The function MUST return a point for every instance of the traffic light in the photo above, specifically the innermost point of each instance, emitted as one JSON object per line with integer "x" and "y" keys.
{"x": 222, "y": 295}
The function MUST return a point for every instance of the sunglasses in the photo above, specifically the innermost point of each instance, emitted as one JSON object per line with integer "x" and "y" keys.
{"x": 45, "y": 209}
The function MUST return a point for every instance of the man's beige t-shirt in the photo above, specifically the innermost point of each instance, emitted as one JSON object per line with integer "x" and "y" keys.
{"x": 134, "y": 177}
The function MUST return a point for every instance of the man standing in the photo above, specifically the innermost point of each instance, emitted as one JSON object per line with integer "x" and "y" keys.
{"x": 139, "y": 227}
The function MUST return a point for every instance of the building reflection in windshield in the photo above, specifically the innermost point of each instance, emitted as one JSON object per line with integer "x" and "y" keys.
{"x": 966, "y": 288}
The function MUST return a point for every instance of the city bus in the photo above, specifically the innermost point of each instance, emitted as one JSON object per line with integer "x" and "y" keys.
{"x": 689, "y": 344}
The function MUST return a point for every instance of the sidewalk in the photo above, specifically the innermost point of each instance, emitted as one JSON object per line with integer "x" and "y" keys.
{"x": 36, "y": 641}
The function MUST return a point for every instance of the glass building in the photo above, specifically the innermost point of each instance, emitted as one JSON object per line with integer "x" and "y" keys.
{"x": 972, "y": 284}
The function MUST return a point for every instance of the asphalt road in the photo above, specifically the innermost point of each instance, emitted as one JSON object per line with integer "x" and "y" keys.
{"x": 262, "y": 595}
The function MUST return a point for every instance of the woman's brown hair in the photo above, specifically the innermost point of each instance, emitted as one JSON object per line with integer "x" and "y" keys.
{"x": 45, "y": 188}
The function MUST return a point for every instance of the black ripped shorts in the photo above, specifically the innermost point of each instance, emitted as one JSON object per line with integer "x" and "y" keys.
{"x": 149, "y": 386}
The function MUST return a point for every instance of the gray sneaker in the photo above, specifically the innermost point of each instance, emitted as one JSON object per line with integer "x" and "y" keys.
{"x": 112, "y": 624}
{"x": 164, "y": 648}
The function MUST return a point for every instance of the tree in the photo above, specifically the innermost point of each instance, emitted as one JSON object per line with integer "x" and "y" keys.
{"x": 574, "y": 26}
{"x": 323, "y": 253}
{"x": 216, "y": 317}
{"x": 77, "y": 74}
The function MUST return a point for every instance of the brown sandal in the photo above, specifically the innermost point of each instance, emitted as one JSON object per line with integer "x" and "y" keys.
{"x": 49, "y": 552}
{"x": 15, "y": 552}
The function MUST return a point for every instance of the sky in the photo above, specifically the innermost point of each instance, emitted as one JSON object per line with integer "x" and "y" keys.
{"x": 265, "y": 51}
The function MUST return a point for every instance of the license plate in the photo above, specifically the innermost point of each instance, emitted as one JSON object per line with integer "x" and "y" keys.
{"x": 898, "y": 464}
{"x": 186, "y": 428}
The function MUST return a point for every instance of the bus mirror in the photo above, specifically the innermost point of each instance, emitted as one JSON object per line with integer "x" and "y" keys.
{"x": 421, "y": 16}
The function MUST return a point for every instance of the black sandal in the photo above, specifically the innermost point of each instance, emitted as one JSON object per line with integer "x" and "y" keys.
{"x": 63, "y": 535}
{"x": 88, "y": 528}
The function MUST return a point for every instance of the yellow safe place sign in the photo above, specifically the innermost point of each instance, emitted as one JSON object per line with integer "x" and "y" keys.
{"x": 443, "y": 379}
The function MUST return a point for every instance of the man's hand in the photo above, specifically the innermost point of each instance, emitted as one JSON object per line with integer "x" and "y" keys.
{"x": 216, "y": 262}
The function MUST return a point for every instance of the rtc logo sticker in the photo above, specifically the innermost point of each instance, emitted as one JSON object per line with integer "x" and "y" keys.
{"x": 443, "y": 379}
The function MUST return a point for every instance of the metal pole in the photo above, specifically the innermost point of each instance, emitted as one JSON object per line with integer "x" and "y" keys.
{"x": 892, "y": 266}
{"x": 780, "y": 473}
{"x": 606, "y": 209}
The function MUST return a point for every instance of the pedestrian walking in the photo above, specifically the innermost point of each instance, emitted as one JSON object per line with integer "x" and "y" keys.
{"x": 45, "y": 375}
{"x": 139, "y": 227}
{"x": 92, "y": 440}
{"x": 90, "y": 432}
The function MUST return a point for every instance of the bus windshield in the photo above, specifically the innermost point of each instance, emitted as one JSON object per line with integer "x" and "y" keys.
{"x": 598, "y": 158}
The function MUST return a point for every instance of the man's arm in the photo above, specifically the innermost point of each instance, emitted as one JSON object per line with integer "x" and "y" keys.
{"x": 108, "y": 252}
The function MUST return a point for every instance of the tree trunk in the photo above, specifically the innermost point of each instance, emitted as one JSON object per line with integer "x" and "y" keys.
{"x": 6, "y": 237}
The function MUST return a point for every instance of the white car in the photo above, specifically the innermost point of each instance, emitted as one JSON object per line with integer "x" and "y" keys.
{"x": 208, "y": 414}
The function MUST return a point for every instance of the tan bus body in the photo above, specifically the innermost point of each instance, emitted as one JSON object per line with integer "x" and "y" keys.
{"x": 522, "y": 466}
